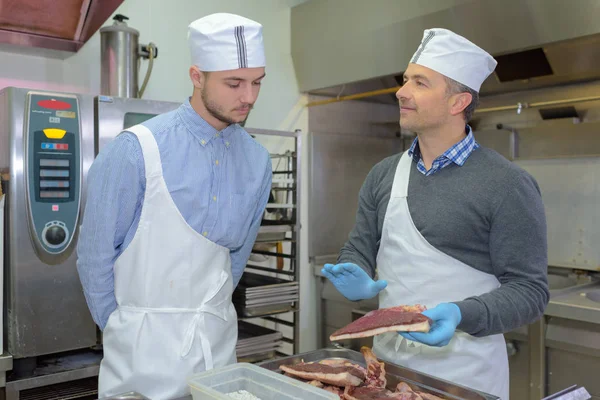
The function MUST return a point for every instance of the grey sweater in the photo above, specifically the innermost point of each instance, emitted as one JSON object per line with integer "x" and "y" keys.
{"x": 488, "y": 214}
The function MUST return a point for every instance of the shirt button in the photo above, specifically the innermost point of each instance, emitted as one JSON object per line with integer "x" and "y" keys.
{"x": 227, "y": 144}
{"x": 217, "y": 135}
{"x": 217, "y": 162}
{"x": 203, "y": 141}
{"x": 205, "y": 233}
{"x": 215, "y": 198}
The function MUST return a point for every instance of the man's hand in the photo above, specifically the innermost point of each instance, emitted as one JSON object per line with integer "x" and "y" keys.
{"x": 352, "y": 281}
{"x": 446, "y": 317}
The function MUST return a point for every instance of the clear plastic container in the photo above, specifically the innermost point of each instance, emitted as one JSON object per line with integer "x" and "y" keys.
{"x": 262, "y": 383}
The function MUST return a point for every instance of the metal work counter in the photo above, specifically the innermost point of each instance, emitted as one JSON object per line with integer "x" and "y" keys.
{"x": 580, "y": 303}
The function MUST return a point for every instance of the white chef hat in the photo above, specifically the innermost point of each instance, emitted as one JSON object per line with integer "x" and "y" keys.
{"x": 222, "y": 42}
{"x": 455, "y": 57}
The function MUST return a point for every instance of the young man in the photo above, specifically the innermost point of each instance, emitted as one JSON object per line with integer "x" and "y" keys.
{"x": 173, "y": 209}
{"x": 450, "y": 225}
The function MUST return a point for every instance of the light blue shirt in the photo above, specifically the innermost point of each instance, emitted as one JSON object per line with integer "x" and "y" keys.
{"x": 219, "y": 180}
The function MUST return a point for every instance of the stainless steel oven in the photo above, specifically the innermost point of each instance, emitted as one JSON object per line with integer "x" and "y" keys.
{"x": 48, "y": 141}
{"x": 46, "y": 145}
{"x": 113, "y": 114}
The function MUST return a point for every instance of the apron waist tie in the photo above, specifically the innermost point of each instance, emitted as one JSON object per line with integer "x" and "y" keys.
{"x": 190, "y": 333}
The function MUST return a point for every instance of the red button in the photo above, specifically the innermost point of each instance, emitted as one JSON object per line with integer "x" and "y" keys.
{"x": 54, "y": 104}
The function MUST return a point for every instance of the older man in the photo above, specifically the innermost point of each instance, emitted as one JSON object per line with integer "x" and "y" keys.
{"x": 174, "y": 206}
{"x": 450, "y": 225}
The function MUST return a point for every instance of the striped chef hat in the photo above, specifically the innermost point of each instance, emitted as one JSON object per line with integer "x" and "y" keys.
{"x": 455, "y": 57}
{"x": 222, "y": 42}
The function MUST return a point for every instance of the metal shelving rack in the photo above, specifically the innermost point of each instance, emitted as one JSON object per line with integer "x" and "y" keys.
{"x": 280, "y": 226}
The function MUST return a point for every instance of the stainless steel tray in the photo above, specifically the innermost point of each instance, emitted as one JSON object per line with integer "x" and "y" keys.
{"x": 278, "y": 299}
{"x": 259, "y": 348}
{"x": 253, "y": 358}
{"x": 247, "y": 330}
{"x": 394, "y": 374}
{"x": 256, "y": 343}
{"x": 252, "y": 281}
{"x": 263, "y": 311}
{"x": 269, "y": 302}
{"x": 266, "y": 291}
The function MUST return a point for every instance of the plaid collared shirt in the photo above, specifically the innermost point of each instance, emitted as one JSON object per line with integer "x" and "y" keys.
{"x": 456, "y": 154}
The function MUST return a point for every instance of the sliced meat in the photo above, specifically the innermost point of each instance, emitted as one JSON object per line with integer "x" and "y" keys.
{"x": 393, "y": 319}
{"x": 312, "y": 383}
{"x": 332, "y": 375}
{"x": 334, "y": 361}
{"x": 403, "y": 387}
{"x": 371, "y": 393}
{"x": 366, "y": 393}
{"x": 375, "y": 369}
{"x": 338, "y": 362}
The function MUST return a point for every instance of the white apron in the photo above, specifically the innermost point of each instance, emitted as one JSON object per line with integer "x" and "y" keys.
{"x": 418, "y": 273}
{"x": 173, "y": 288}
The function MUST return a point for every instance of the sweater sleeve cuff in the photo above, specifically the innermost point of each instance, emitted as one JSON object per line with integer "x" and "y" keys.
{"x": 472, "y": 316}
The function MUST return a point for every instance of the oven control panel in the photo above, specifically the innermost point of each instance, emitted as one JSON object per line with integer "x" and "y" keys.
{"x": 53, "y": 162}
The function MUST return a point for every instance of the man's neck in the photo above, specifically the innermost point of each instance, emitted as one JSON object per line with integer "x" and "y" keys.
{"x": 198, "y": 106}
{"x": 435, "y": 143}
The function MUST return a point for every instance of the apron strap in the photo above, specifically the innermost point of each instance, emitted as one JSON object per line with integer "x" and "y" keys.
{"x": 199, "y": 322}
{"x": 400, "y": 185}
{"x": 150, "y": 151}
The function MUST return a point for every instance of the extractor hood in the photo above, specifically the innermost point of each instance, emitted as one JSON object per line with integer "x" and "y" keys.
{"x": 62, "y": 26}
{"x": 538, "y": 43}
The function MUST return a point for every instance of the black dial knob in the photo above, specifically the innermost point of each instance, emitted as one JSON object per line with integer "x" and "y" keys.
{"x": 55, "y": 235}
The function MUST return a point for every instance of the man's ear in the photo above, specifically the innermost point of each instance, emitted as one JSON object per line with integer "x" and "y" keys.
{"x": 197, "y": 77}
{"x": 459, "y": 102}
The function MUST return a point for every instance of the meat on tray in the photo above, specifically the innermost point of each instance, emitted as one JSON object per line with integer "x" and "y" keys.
{"x": 393, "y": 319}
{"x": 338, "y": 375}
{"x": 375, "y": 369}
{"x": 352, "y": 381}
{"x": 403, "y": 387}
{"x": 330, "y": 388}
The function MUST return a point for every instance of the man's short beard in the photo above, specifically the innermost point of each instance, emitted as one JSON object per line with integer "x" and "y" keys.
{"x": 215, "y": 110}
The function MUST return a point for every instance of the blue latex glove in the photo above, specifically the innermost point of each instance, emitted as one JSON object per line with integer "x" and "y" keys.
{"x": 352, "y": 281}
{"x": 446, "y": 317}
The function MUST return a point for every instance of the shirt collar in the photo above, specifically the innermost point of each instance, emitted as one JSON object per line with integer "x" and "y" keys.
{"x": 458, "y": 153}
{"x": 201, "y": 129}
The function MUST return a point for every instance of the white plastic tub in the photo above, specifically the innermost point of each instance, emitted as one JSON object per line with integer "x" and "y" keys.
{"x": 262, "y": 383}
